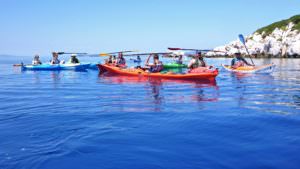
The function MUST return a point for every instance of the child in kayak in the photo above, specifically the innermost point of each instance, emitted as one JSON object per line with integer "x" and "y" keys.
{"x": 55, "y": 58}
{"x": 197, "y": 61}
{"x": 74, "y": 59}
{"x": 156, "y": 66}
{"x": 36, "y": 60}
{"x": 239, "y": 61}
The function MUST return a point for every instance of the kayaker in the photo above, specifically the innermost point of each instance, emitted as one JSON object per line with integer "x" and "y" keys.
{"x": 74, "y": 59}
{"x": 109, "y": 60}
{"x": 179, "y": 60}
{"x": 121, "y": 62}
{"x": 36, "y": 60}
{"x": 138, "y": 59}
{"x": 114, "y": 59}
{"x": 54, "y": 58}
{"x": 156, "y": 66}
{"x": 239, "y": 61}
{"x": 197, "y": 61}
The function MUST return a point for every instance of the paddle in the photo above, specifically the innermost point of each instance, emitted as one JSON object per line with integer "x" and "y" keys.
{"x": 66, "y": 53}
{"x": 242, "y": 39}
{"x": 158, "y": 53}
{"x": 111, "y": 53}
{"x": 200, "y": 50}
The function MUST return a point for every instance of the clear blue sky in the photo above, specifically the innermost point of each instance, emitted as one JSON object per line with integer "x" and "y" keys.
{"x": 41, "y": 26}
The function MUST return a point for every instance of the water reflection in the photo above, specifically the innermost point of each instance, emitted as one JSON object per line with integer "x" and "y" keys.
{"x": 53, "y": 76}
{"x": 165, "y": 90}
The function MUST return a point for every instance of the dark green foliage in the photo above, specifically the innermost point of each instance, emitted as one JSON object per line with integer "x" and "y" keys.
{"x": 281, "y": 25}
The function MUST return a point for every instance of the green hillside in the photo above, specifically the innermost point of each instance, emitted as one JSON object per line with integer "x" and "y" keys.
{"x": 281, "y": 24}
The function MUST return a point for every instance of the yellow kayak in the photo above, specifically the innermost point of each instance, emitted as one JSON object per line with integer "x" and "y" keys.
{"x": 251, "y": 69}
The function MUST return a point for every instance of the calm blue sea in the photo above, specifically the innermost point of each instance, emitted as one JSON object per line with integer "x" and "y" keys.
{"x": 80, "y": 120}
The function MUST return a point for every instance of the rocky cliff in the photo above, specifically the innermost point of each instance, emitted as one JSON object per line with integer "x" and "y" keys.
{"x": 280, "y": 39}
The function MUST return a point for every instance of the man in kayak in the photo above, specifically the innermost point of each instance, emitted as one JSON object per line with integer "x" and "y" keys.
{"x": 55, "y": 58}
{"x": 74, "y": 59}
{"x": 239, "y": 61}
{"x": 197, "y": 61}
{"x": 36, "y": 60}
{"x": 156, "y": 66}
{"x": 121, "y": 62}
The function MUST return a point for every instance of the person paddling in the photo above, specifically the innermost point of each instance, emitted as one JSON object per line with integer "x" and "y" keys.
{"x": 156, "y": 66}
{"x": 74, "y": 59}
{"x": 36, "y": 60}
{"x": 55, "y": 59}
{"x": 239, "y": 61}
{"x": 197, "y": 61}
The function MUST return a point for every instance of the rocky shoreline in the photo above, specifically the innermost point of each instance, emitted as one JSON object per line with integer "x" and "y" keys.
{"x": 278, "y": 40}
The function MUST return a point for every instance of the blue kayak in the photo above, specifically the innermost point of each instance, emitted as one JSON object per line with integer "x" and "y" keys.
{"x": 68, "y": 66}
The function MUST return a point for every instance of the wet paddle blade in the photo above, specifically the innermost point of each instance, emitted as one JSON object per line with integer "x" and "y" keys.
{"x": 242, "y": 39}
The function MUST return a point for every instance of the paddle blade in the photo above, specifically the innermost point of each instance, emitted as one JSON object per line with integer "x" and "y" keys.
{"x": 242, "y": 39}
{"x": 103, "y": 54}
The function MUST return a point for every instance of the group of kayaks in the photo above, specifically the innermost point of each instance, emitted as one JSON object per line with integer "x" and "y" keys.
{"x": 200, "y": 73}
{"x": 195, "y": 74}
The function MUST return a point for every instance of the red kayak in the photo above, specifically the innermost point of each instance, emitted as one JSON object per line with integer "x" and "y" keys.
{"x": 207, "y": 74}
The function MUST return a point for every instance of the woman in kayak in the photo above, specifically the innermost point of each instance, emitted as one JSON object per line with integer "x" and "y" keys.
{"x": 239, "y": 61}
{"x": 121, "y": 62}
{"x": 54, "y": 58}
{"x": 197, "y": 61}
{"x": 74, "y": 59}
{"x": 156, "y": 66}
{"x": 36, "y": 60}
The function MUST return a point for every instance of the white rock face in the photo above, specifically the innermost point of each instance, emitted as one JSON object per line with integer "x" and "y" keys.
{"x": 280, "y": 42}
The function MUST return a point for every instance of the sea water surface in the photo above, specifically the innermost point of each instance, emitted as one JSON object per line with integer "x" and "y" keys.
{"x": 78, "y": 120}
